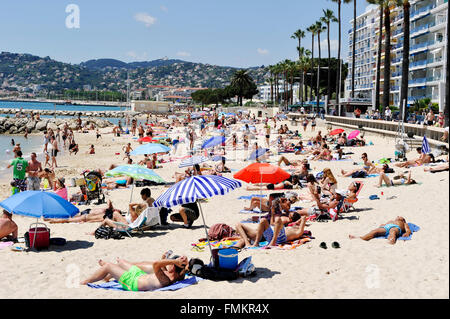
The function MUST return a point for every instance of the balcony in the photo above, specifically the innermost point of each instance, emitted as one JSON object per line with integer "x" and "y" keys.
{"x": 415, "y": 13}
{"x": 418, "y": 81}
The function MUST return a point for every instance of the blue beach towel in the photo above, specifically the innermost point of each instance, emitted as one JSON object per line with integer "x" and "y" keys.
{"x": 249, "y": 197}
{"x": 414, "y": 228}
{"x": 114, "y": 285}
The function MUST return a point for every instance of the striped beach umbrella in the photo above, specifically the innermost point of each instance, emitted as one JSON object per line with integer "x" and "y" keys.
{"x": 425, "y": 146}
{"x": 193, "y": 161}
{"x": 213, "y": 141}
{"x": 191, "y": 189}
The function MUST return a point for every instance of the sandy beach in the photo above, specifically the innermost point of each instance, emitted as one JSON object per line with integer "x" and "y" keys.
{"x": 418, "y": 268}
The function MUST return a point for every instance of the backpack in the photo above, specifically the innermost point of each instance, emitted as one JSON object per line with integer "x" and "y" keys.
{"x": 219, "y": 231}
{"x": 106, "y": 232}
{"x": 217, "y": 274}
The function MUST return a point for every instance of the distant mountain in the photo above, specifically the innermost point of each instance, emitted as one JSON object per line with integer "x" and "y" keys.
{"x": 25, "y": 72}
{"x": 112, "y": 63}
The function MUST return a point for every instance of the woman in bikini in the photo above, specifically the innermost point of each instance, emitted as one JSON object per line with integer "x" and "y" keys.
{"x": 328, "y": 182}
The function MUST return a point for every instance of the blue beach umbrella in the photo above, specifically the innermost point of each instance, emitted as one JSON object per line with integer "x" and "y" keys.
{"x": 258, "y": 153}
{"x": 190, "y": 190}
{"x": 213, "y": 141}
{"x": 193, "y": 161}
{"x": 425, "y": 146}
{"x": 39, "y": 204}
{"x": 150, "y": 148}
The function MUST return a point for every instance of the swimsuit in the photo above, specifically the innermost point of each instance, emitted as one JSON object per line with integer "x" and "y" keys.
{"x": 129, "y": 279}
{"x": 388, "y": 228}
{"x": 268, "y": 235}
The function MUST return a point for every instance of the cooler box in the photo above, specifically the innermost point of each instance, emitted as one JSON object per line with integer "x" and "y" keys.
{"x": 39, "y": 237}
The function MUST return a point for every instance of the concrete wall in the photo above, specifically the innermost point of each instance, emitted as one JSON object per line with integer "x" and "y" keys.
{"x": 150, "y": 106}
{"x": 388, "y": 128}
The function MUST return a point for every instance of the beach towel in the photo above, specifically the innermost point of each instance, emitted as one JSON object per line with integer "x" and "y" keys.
{"x": 244, "y": 211}
{"x": 249, "y": 197}
{"x": 115, "y": 285}
{"x": 215, "y": 244}
{"x": 286, "y": 246}
{"x": 4, "y": 245}
{"x": 414, "y": 228}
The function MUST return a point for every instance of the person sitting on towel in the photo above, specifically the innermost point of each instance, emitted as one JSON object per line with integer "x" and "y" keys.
{"x": 8, "y": 228}
{"x": 274, "y": 233}
{"x": 142, "y": 276}
{"x": 393, "y": 229}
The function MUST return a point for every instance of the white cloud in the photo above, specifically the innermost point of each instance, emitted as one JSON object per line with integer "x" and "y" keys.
{"x": 145, "y": 18}
{"x": 183, "y": 53}
{"x": 164, "y": 8}
{"x": 262, "y": 51}
{"x": 136, "y": 56}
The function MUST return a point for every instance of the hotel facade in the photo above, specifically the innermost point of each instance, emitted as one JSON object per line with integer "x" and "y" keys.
{"x": 428, "y": 34}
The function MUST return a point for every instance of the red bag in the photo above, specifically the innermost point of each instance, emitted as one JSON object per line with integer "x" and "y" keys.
{"x": 219, "y": 231}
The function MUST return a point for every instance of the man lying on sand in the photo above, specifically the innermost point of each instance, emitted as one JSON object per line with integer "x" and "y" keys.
{"x": 394, "y": 228}
{"x": 88, "y": 216}
{"x": 8, "y": 228}
{"x": 398, "y": 180}
{"x": 143, "y": 276}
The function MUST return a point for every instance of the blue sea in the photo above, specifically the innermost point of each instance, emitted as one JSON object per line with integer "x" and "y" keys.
{"x": 52, "y": 106}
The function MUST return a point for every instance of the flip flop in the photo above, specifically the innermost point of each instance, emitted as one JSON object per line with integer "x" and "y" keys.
{"x": 335, "y": 245}
{"x": 323, "y": 245}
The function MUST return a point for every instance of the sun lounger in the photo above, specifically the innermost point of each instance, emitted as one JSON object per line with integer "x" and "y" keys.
{"x": 349, "y": 203}
{"x": 148, "y": 218}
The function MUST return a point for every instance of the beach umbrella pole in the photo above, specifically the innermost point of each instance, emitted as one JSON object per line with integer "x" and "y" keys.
{"x": 204, "y": 225}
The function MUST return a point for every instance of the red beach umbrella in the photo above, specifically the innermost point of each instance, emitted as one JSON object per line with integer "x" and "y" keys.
{"x": 336, "y": 131}
{"x": 262, "y": 173}
{"x": 146, "y": 139}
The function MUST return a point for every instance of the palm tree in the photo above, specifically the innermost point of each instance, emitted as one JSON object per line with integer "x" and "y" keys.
{"x": 240, "y": 81}
{"x": 319, "y": 29}
{"x": 405, "y": 63}
{"x": 338, "y": 88}
{"x": 387, "y": 54}
{"x": 354, "y": 49}
{"x": 312, "y": 29}
{"x": 303, "y": 65}
{"x": 299, "y": 34}
{"x": 328, "y": 18}
{"x": 380, "y": 3}
{"x": 447, "y": 77}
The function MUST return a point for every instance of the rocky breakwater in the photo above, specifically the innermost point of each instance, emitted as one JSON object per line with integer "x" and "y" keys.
{"x": 15, "y": 125}
{"x": 110, "y": 114}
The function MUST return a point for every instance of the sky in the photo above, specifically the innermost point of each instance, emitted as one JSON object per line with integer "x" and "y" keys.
{"x": 237, "y": 33}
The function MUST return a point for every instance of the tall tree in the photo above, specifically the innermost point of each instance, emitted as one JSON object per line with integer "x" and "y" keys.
{"x": 387, "y": 54}
{"x": 380, "y": 3}
{"x": 405, "y": 63}
{"x": 354, "y": 49}
{"x": 319, "y": 29}
{"x": 447, "y": 71}
{"x": 338, "y": 81}
{"x": 241, "y": 81}
{"x": 304, "y": 64}
{"x": 312, "y": 29}
{"x": 328, "y": 18}
{"x": 299, "y": 35}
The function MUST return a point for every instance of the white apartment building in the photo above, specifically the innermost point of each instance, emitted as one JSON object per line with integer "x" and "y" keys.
{"x": 427, "y": 52}
{"x": 264, "y": 92}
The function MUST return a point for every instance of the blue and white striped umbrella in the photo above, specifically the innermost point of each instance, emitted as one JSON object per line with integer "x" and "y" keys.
{"x": 194, "y": 188}
{"x": 425, "y": 146}
{"x": 213, "y": 141}
{"x": 258, "y": 153}
{"x": 193, "y": 161}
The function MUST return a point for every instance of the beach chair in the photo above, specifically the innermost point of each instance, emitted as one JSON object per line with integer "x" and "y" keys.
{"x": 349, "y": 203}
{"x": 148, "y": 218}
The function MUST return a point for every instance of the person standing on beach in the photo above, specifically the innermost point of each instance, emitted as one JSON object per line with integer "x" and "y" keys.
{"x": 34, "y": 169}
{"x": 46, "y": 139}
{"x": 20, "y": 169}
{"x": 54, "y": 151}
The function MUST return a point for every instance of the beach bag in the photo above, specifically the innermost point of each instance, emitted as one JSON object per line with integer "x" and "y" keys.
{"x": 217, "y": 274}
{"x": 219, "y": 231}
{"x": 359, "y": 174}
{"x": 105, "y": 232}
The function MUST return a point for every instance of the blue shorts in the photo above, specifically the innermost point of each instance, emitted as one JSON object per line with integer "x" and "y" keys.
{"x": 388, "y": 228}
{"x": 268, "y": 235}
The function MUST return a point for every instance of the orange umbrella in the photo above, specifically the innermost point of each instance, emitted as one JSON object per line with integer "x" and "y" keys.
{"x": 262, "y": 173}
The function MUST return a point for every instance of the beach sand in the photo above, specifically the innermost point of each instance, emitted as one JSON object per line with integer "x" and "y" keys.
{"x": 418, "y": 268}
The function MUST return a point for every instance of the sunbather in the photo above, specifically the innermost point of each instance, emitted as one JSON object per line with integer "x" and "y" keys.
{"x": 8, "y": 228}
{"x": 143, "y": 276}
{"x": 328, "y": 182}
{"x": 136, "y": 208}
{"x": 422, "y": 159}
{"x": 394, "y": 228}
{"x": 397, "y": 180}
{"x": 289, "y": 183}
{"x": 275, "y": 234}
{"x": 95, "y": 215}
{"x": 368, "y": 168}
